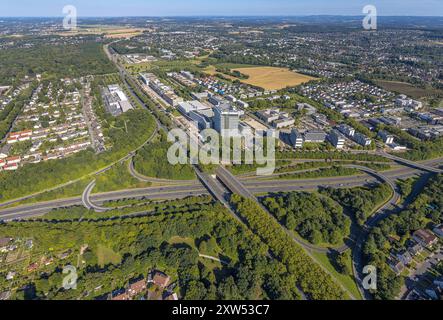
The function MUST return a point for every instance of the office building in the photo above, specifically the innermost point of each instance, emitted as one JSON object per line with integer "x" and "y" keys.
{"x": 216, "y": 101}
{"x": 296, "y": 139}
{"x": 346, "y": 130}
{"x": 115, "y": 100}
{"x": 362, "y": 140}
{"x": 386, "y": 137}
{"x": 315, "y": 136}
{"x": 336, "y": 139}
{"x": 186, "y": 107}
{"x": 226, "y": 120}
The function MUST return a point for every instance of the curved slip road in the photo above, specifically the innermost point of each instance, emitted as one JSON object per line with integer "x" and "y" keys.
{"x": 87, "y": 201}
{"x": 143, "y": 178}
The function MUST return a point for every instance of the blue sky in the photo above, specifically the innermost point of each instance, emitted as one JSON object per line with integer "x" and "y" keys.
{"x": 219, "y": 7}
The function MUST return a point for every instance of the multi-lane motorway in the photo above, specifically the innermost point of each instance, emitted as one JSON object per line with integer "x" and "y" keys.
{"x": 255, "y": 186}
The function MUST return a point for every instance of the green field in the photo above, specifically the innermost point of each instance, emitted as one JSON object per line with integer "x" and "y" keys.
{"x": 408, "y": 89}
{"x": 107, "y": 256}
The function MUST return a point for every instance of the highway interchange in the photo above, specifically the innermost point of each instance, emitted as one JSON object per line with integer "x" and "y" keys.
{"x": 259, "y": 185}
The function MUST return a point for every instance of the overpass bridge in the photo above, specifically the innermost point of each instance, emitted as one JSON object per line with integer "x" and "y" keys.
{"x": 410, "y": 163}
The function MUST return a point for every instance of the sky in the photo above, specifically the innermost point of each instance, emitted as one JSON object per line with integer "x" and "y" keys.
{"x": 109, "y": 8}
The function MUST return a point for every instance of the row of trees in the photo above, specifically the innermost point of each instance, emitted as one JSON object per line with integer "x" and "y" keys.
{"x": 334, "y": 155}
{"x": 313, "y": 281}
{"x": 163, "y": 118}
{"x": 335, "y": 171}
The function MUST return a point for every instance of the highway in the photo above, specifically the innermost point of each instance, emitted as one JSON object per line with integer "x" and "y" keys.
{"x": 237, "y": 187}
{"x": 191, "y": 188}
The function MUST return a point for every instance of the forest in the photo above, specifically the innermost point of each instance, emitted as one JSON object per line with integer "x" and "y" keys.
{"x": 152, "y": 161}
{"x": 361, "y": 202}
{"x": 54, "y": 61}
{"x": 316, "y": 218}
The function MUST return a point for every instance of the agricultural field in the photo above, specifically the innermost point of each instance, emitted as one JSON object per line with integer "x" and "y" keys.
{"x": 111, "y": 32}
{"x": 407, "y": 89}
{"x": 271, "y": 78}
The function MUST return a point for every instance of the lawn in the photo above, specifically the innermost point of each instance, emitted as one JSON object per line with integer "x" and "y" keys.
{"x": 179, "y": 240}
{"x": 106, "y": 256}
{"x": 118, "y": 178}
{"x": 271, "y": 78}
{"x": 346, "y": 281}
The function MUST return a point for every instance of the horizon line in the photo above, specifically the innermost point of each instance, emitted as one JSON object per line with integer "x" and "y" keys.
{"x": 229, "y": 16}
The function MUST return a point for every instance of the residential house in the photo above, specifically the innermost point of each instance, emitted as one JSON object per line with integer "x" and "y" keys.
{"x": 405, "y": 257}
{"x": 136, "y": 287}
{"x": 120, "y": 295}
{"x": 415, "y": 249}
{"x": 425, "y": 238}
{"x": 160, "y": 279}
{"x": 5, "y": 295}
{"x": 396, "y": 265}
{"x": 171, "y": 297}
{"x": 438, "y": 230}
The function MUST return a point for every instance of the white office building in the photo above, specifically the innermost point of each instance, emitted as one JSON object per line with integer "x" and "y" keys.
{"x": 227, "y": 120}
{"x": 296, "y": 139}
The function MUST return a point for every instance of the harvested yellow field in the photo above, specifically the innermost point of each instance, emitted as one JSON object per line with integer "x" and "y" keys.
{"x": 124, "y": 33}
{"x": 108, "y": 31}
{"x": 271, "y": 78}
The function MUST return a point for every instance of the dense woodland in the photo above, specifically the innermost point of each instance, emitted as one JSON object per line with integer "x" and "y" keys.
{"x": 152, "y": 161}
{"x": 361, "y": 202}
{"x": 316, "y": 218}
{"x": 53, "y": 61}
